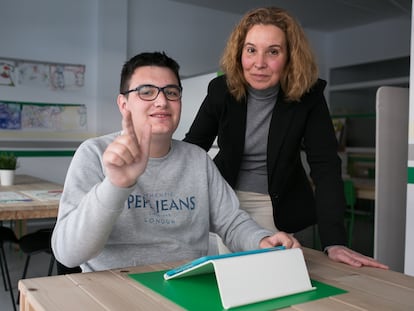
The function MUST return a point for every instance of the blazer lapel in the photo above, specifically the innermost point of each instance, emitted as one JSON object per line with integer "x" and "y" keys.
{"x": 237, "y": 126}
{"x": 280, "y": 123}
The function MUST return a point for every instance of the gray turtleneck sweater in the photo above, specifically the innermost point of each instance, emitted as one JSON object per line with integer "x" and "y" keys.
{"x": 253, "y": 170}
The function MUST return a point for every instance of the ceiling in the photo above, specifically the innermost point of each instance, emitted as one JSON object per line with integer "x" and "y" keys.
{"x": 320, "y": 15}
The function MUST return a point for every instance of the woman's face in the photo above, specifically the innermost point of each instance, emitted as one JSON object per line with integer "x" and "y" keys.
{"x": 264, "y": 56}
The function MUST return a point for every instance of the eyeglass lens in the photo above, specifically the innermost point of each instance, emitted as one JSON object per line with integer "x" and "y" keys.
{"x": 150, "y": 92}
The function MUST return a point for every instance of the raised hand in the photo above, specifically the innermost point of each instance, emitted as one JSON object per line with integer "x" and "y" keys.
{"x": 126, "y": 158}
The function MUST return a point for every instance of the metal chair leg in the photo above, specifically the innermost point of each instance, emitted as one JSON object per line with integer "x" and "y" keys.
{"x": 6, "y": 268}
{"x": 51, "y": 265}
{"x": 26, "y": 265}
{"x": 3, "y": 274}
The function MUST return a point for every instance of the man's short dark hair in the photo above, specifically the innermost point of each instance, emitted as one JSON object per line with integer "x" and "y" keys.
{"x": 159, "y": 59}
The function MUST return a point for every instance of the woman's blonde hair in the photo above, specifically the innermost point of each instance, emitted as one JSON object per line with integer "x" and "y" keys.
{"x": 300, "y": 72}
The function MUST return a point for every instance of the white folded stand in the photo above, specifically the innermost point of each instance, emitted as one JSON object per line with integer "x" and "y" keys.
{"x": 255, "y": 277}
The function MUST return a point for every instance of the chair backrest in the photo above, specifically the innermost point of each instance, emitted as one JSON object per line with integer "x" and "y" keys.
{"x": 62, "y": 269}
{"x": 349, "y": 190}
{"x": 7, "y": 235}
{"x": 36, "y": 242}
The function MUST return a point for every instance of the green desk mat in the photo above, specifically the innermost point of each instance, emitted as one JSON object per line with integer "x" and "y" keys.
{"x": 201, "y": 293}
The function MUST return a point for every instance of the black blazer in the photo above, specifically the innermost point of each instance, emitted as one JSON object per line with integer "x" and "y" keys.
{"x": 294, "y": 126}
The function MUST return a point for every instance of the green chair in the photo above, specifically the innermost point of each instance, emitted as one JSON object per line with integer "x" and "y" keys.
{"x": 350, "y": 198}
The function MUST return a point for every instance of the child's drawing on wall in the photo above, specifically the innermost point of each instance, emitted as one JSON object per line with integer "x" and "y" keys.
{"x": 7, "y": 73}
{"x": 10, "y": 116}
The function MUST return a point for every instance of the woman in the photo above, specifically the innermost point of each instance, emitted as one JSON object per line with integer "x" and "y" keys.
{"x": 267, "y": 107}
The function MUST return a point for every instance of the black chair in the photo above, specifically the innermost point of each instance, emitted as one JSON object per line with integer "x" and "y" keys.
{"x": 35, "y": 243}
{"x": 7, "y": 235}
{"x": 40, "y": 241}
{"x": 30, "y": 244}
{"x": 62, "y": 269}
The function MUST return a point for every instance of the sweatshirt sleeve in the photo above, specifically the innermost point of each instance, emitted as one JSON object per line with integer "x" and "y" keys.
{"x": 89, "y": 207}
{"x": 237, "y": 229}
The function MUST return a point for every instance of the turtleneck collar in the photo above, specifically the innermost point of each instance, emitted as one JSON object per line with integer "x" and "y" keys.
{"x": 268, "y": 93}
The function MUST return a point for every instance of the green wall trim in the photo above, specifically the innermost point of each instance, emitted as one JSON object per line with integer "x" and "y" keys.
{"x": 411, "y": 175}
{"x": 42, "y": 153}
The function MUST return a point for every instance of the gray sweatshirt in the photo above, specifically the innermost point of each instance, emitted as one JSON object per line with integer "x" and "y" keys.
{"x": 166, "y": 216}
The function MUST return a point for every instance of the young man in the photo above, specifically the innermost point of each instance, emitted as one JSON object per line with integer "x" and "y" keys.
{"x": 138, "y": 196}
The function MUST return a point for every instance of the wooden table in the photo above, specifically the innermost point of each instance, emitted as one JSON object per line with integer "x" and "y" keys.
{"x": 29, "y": 209}
{"x": 368, "y": 289}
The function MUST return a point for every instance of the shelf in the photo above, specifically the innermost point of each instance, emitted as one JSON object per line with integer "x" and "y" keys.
{"x": 372, "y": 71}
{"x": 352, "y": 95}
{"x": 360, "y": 150}
{"x": 401, "y": 81}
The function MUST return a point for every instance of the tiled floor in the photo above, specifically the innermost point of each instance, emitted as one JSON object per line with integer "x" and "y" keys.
{"x": 40, "y": 263}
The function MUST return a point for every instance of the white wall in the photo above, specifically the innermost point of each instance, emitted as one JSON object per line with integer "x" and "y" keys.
{"x": 194, "y": 91}
{"x": 49, "y": 168}
{"x": 111, "y": 55}
{"x": 378, "y": 41}
{"x": 51, "y": 31}
{"x": 185, "y": 32}
{"x": 319, "y": 44}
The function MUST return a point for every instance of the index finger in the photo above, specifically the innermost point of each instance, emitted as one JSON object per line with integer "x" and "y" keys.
{"x": 127, "y": 124}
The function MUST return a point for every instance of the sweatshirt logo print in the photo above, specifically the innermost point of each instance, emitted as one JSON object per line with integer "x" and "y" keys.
{"x": 161, "y": 202}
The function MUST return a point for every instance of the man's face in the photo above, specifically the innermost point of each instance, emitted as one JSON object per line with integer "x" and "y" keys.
{"x": 161, "y": 113}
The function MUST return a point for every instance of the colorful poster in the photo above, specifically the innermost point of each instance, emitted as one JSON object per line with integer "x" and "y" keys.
{"x": 38, "y": 116}
{"x": 10, "y": 116}
{"x": 7, "y": 72}
{"x": 59, "y": 117}
{"x": 16, "y": 72}
{"x": 33, "y": 74}
{"x": 66, "y": 76}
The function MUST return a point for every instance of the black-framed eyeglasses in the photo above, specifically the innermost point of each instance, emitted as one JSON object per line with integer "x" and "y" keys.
{"x": 150, "y": 92}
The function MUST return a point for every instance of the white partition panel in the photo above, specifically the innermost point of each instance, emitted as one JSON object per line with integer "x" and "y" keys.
{"x": 194, "y": 91}
{"x": 391, "y": 175}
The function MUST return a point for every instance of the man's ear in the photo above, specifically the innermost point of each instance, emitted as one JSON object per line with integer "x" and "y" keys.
{"x": 122, "y": 102}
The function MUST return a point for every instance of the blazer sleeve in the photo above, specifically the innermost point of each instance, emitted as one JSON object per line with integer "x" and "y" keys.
{"x": 321, "y": 147}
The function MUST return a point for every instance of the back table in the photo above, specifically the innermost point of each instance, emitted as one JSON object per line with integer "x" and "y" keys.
{"x": 40, "y": 207}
